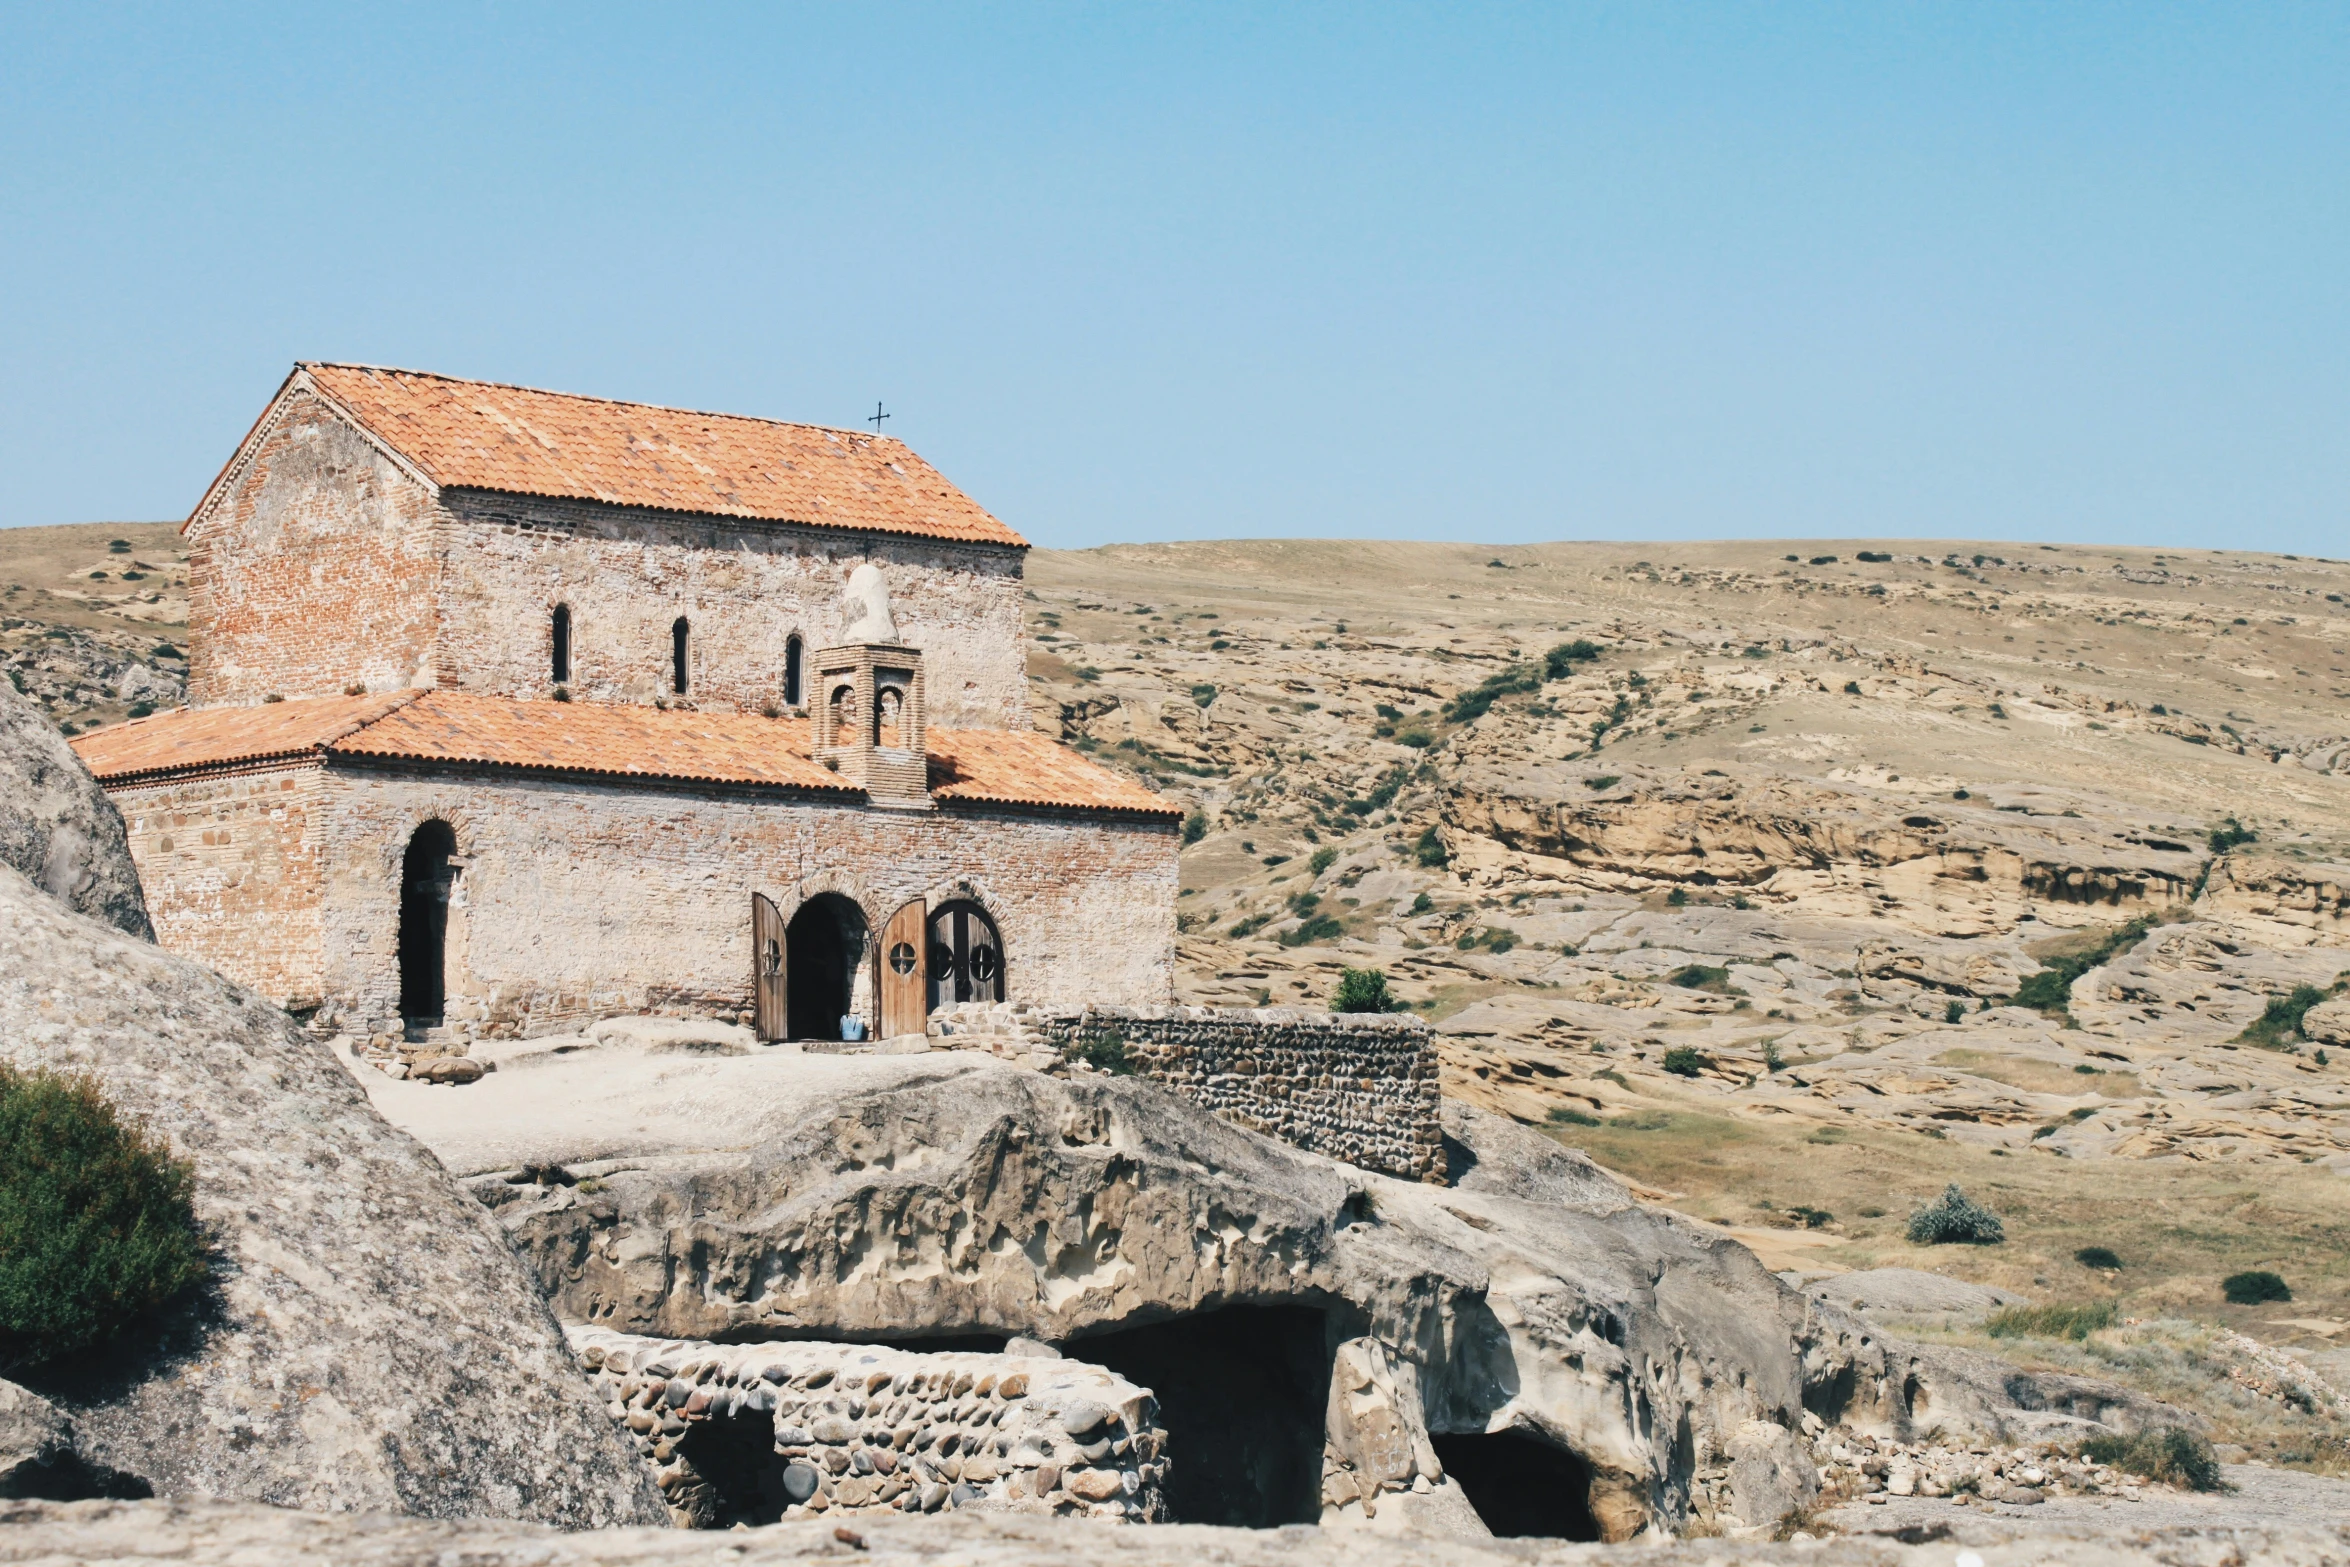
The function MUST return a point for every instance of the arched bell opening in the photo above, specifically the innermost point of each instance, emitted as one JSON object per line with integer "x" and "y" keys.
{"x": 966, "y": 955}
{"x": 426, "y": 877}
{"x": 822, "y": 947}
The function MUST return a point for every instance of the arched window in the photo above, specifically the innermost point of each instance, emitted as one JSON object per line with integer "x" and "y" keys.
{"x": 679, "y": 665}
{"x": 559, "y": 644}
{"x": 966, "y": 955}
{"x": 791, "y": 671}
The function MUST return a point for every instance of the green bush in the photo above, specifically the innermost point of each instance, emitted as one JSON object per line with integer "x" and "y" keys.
{"x": 2231, "y": 834}
{"x": 1560, "y": 661}
{"x": 1320, "y": 927}
{"x": 2279, "y": 1023}
{"x": 1322, "y": 860}
{"x": 2097, "y": 1257}
{"x": 2254, "y": 1288}
{"x": 1955, "y": 1219}
{"x": 2075, "y": 1322}
{"x": 1700, "y": 976}
{"x": 2172, "y": 1456}
{"x": 96, "y": 1221}
{"x": 2051, "y": 990}
{"x": 1955, "y": 1012}
{"x": 1363, "y": 990}
{"x": 1195, "y": 827}
{"x": 1203, "y": 694}
{"x": 1603, "y": 781}
{"x": 1422, "y": 903}
{"x": 1430, "y": 850}
{"x": 1685, "y": 1061}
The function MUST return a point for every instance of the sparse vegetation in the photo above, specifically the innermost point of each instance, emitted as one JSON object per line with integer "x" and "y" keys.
{"x": 1429, "y": 849}
{"x": 2254, "y": 1287}
{"x": 1104, "y": 1053}
{"x": 1321, "y": 860}
{"x": 97, "y": 1219}
{"x": 2172, "y": 1456}
{"x": 1195, "y": 827}
{"x": 1686, "y": 1061}
{"x": 2280, "y": 1022}
{"x": 1602, "y": 782}
{"x": 2230, "y": 834}
{"x": 2050, "y": 990}
{"x": 1954, "y": 1219}
{"x": 2075, "y": 1322}
{"x": 1701, "y": 976}
{"x": 1364, "y": 990}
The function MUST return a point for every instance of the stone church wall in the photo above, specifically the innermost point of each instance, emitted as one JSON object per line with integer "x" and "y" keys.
{"x": 579, "y": 900}
{"x": 319, "y": 568}
{"x": 230, "y": 866}
{"x": 743, "y": 588}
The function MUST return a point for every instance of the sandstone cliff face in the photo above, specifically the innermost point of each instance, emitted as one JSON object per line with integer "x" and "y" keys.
{"x": 909, "y": 1197}
{"x": 365, "y": 1340}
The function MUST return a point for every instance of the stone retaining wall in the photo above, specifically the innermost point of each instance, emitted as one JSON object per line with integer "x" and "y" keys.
{"x": 752, "y": 1433}
{"x": 1357, "y": 1087}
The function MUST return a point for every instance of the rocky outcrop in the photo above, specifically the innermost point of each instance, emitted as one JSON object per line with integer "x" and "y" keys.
{"x": 58, "y": 827}
{"x": 364, "y": 1339}
{"x": 904, "y": 1197}
{"x": 215, "y": 1535}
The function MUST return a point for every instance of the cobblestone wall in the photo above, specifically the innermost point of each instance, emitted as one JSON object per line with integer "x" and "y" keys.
{"x": 753, "y": 1433}
{"x": 1357, "y": 1087}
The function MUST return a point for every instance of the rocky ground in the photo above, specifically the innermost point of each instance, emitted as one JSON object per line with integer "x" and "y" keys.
{"x": 93, "y": 619}
{"x": 1739, "y": 893}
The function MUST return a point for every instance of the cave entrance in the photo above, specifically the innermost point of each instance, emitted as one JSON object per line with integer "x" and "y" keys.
{"x": 741, "y": 1476}
{"x": 1521, "y": 1485}
{"x": 1243, "y": 1394}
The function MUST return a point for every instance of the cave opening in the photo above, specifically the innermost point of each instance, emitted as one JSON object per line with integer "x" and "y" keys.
{"x": 1520, "y": 1485}
{"x": 1243, "y": 1395}
{"x": 734, "y": 1454}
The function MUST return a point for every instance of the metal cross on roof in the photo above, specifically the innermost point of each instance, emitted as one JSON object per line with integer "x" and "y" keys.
{"x": 876, "y": 417}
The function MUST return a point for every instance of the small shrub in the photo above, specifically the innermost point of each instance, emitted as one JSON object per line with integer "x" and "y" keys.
{"x": 2231, "y": 834}
{"x": 1320, "y": 928}
{"x": 1560, "y": 661}
{"x": 1772, "y": 1059}
{"x": 1685, "y": 1061}
{"x": 2075, "y": 1322}
{"x": 1954, "y": 1219}
{"x": 2254, "y": 1288}
{"x": 118, "y": 546}
{"x": 1322, "y": 860}
{"x": 1363, "y": 990}
{"x": 1852, "y": 688}
{"x": 2172, "y": 1456}
{"x": 1813, "y": 1218}
{"x": 1088, "y": 673}
{"x": 1272, "y": 860}
{"x": 2279, "y": 1023}
{"x": 1603, "y": 781}
{"x": 1422, "y": 904}
{"x": 1700, "y": 976}
{"x": 96, "y": 1222}
{"x": 1429, "y": 850}
{"x": 1249, "y": 926}
{"x": 1560, "y": 1115}
{"x": 1195, "y": 827}
{"x": 1678, "y": 897}
{"x": 1104, "y": 1053}
{"x": 2097, "y": 1257}
{"x": 143, "y": 709}
{"x": 1203, "y": 694}
{"x": 1955, "y": 1012}
{"x": 1417, "y": 739}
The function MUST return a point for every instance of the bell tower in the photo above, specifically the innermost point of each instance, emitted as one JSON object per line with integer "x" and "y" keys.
{"x": 869, "y": 703}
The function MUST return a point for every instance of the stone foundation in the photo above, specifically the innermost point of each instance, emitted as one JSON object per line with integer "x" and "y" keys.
{"x": 753, "y": 1433}
{"x": 1357, "y": 1087}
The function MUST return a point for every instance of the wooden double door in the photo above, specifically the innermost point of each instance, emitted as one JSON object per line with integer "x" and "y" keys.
{"x": 828, "y": 971}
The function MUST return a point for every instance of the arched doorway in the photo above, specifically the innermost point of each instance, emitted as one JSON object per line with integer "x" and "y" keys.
{"x": 966, "y": 955}
{"x": 425, "y": 879}
{"x": 823, "y": 946}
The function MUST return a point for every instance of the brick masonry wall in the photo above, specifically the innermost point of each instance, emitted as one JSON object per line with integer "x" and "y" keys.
{"x": 579, "y": 900}
{"x": 230, "y": 865}
{"x": 1359, "y": 1088}
{"x": 627, "y": 575}
{"x": 319, "y": 568}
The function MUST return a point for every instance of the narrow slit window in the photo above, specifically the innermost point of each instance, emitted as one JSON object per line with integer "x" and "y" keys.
{"x": 791, "y": 671}
{"x": 680, "y": 665}
{"x": 560, "y": 644}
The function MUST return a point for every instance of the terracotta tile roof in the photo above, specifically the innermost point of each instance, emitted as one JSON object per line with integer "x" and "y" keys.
{"x": 228, "y": 736}
{"x": 1022, "y": 767}
{"x": 968, "y": 766}
{"x": 481, "y": 435}
{"x": 592, "y": 737}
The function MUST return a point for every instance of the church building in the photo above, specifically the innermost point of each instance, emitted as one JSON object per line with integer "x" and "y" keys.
{"x": 510, "y": 709}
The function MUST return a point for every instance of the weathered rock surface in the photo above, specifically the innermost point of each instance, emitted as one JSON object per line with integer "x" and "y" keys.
{"x": 365, "y": 1339}
{"x": 906, "y": 1196}
{"x": 204, "y": 1534}
{"x": 58, "y": 827}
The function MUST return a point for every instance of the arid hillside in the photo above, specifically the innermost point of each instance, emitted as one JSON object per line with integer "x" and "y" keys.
{"x": 1796, "y": 879}
{"x": 1793, "y": 880}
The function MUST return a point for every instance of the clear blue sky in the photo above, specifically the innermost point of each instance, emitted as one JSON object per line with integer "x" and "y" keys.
{"x": 1147, "y": 272}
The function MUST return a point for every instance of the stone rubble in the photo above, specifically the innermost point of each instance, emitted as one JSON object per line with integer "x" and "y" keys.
{"x": 861, "y": 1428}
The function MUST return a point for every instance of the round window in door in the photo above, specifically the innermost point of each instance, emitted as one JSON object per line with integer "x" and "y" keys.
{"x": 966, "y": 955}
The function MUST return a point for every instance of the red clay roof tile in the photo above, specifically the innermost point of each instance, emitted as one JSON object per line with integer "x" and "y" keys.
{"x": 967, "y": 766}
{"x": 482, "y": 435}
